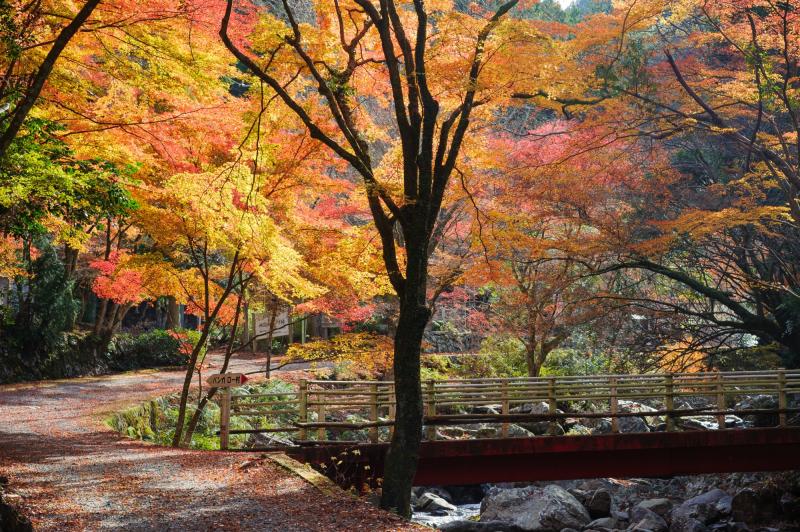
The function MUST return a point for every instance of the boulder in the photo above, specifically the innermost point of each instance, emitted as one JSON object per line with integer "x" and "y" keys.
{"x": 759, "y": 402}
{"x": 429, "y": 502}
{"x": 531, "y": 408}
{"x": 754, "y": 507}
{"x": 698, "y": 423}
{"x": 467, "y": 525}
{"x": 660, "y": 506}
{"x": 599, "y": 504}
{"x": 486, "y": 409}
{"x": 603, "y": 524}
{"x": 602, "y": 426}
{"x": 705, "y": 508}
{"x": 467, "y": 494}
{"x": 541, "y": 428}
{"x": 687, "y": 525}
{"x": 515, "y": 431}
{"x": 633, "y": 424}
{"x": 643, "y": 520}
{"x": 535, "y": 508}
{"x": 632, "y": 407}
{"x": 734, "y": 422}
{"x": 790, "y": 505}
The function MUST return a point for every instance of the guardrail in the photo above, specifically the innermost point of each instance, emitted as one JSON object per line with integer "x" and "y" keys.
{"x": 319, "y": 407}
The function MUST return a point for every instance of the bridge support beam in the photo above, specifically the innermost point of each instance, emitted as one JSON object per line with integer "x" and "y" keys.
{"x": 571, "y": 457}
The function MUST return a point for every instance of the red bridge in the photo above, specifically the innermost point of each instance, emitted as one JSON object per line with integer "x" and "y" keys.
{"x": 688, "y": 423}
{"x": 659, "y": 454}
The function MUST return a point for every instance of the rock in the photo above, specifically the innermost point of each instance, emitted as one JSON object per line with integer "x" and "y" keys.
{"x": 759, "y": 402}
{"x": 515, "y": 431}
{"x": 703, "y": 508}
{"x": 467, "y": 494}
{"x": 569, "y": 530}
{"x": 659, "y": 506}
{"x": 541, "y": 428}
{"x": 603, "y": 524}
{"x": 687, "y": 525}
{"x": 734, "y": 422}
{"x": 633, "y": 424}
{"x": 466, "y": 525}
{"x": 790, "y": 505}
{"x": 535, "y": 508}
{"x": 603, "y": 426}
{"x": 698, "y": 423}
{"x": 531, "y": 408}
{"x": 632, "y": 407}
{"x": 429, "y": 502}
{"x": 754, "y": 507}
{"x": 643, "y": 520}
{"x": 599, "y": 504}
{"x": 486, "y": 409}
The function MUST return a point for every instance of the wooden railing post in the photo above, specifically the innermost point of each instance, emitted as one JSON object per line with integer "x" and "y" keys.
{"x": 669, "y": 401}
{"x": 373, "y": 413}
{"x": 551, "y": 404}
{"x": 392, "y": 412}
{"x": 614, "y": 404}
{"x": 506, "y": 409}
{"x": 782, "y": 402}
{"x": 720, "y": 401}
{"x": 224, "y": 418}
{"x": 303, "y": 407}
{"x": 321, "y": 432}
{"x": 430, "y": 409}
{"x": 154, "y": 416}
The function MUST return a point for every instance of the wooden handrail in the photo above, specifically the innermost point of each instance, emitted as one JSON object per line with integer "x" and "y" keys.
{"x": 446, "y": 401}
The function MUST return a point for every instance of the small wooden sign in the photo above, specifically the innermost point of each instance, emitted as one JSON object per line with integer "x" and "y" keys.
{"x": 226, "y": 380}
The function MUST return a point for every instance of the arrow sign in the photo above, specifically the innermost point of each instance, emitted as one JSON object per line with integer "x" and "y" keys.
{"x": 226, "y": 380}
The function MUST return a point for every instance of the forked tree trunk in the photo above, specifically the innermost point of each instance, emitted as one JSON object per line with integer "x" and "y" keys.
{"x": 403, "y": 454}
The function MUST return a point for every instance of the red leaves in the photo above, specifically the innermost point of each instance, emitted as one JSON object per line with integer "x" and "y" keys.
{"x": 116, "y": 282}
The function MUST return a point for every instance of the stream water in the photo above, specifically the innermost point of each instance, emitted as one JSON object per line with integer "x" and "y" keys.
{"x": 437, "y": 519}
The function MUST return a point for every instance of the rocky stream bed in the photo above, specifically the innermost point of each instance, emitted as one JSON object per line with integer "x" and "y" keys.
{"x": 737, "y": 502}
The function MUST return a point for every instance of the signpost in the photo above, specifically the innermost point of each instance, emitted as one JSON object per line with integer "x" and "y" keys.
{"x": 225, "y": 381}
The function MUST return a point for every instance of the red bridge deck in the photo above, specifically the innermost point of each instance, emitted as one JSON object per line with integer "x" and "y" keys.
{"x": 656, "y": 454}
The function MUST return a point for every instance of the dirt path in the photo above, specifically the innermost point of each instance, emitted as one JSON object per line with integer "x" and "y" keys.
{"x": 74, "y": 473}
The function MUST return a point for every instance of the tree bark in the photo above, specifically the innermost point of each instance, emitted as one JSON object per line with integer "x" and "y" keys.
{"x": 173, "y": 313}
{"x": 401, "y": 459}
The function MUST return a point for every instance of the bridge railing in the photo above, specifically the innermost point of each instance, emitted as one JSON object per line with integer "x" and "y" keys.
{"x": 365, "y": 410}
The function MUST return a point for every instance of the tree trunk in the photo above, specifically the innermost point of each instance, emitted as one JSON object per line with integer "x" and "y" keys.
{"x": 173, "y": 314}
{"x": 403, "y": 454}
{"x": 531, "y": 360}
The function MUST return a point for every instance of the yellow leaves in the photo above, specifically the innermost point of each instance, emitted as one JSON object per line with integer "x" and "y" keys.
{"x": 368, "y": 353}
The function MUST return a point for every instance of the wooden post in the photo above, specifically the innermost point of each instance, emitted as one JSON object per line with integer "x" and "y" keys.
{"x": 321, "y": 432}
{"x": 392, "y": 412}
{"x": 506, "y": 409}
{"x": 224, "y": 418}
{"x": 154, "y": 416}
{"x": 303, "y": 407}
{"x": 373, "y": 413}
{"x": 669, "y": 401}
{"x": 430, "y": 409}
{"x": 551, "y": 404}
{"x": 782, "y": 402}
{"x": 720, "y": 401}
{"x": 614, "y": 404}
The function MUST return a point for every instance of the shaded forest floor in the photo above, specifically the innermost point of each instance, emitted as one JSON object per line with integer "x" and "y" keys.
{"x": 73, "y": 472}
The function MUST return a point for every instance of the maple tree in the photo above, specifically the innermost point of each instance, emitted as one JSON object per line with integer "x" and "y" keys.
{"x": 432, "y": 79}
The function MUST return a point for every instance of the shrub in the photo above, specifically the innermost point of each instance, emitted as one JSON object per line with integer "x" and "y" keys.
{"x": 151, "y": 349}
